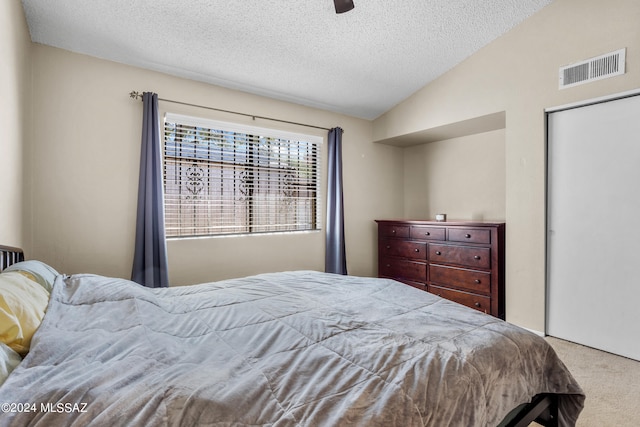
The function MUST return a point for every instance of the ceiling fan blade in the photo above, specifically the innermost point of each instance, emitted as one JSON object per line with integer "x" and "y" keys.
{"x": 343, "y": 6}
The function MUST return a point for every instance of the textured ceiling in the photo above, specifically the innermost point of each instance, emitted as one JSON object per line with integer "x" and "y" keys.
{"x": 360, "y": 63}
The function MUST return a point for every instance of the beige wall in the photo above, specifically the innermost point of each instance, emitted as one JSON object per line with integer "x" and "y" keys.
{"x": 518, "y": 74}
{"x": 85, "y": 162}
{"x": 15, "y": 47}
{"x": 462, "y": 177}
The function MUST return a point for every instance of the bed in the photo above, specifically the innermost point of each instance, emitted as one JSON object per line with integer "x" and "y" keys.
{"x": 298, "y": 348}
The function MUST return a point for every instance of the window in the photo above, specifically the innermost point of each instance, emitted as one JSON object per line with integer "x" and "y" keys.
{"x": 222, "y": 178}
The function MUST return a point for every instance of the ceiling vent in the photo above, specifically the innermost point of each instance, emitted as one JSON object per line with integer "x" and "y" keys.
{"x": 598, "y": 68}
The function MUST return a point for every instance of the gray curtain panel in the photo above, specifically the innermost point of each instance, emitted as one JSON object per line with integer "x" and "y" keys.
{"x": 150, "y": 266}
{"x": 335, "y": 257}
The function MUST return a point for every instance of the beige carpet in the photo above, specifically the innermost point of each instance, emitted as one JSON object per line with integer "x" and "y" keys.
{"x": 611, "y": 384}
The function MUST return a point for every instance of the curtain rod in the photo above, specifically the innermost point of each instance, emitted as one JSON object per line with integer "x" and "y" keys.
{"x": 135, "y": 95}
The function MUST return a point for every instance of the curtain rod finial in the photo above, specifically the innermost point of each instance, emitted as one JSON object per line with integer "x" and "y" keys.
{"x": 135, "y": 94}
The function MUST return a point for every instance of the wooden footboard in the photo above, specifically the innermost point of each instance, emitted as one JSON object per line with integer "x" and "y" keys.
{"x": 10, "y": 255}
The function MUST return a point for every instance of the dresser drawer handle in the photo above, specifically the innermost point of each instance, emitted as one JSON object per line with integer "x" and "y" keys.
{"x": 438, "y": 253}
{"x": 478, "y": 281}
{"x": 393, "y": 231}
{"x": 388, "y": 265}
{"x": 427, "y": 234}
{"x": 417, "y": 250}
{"x": 388, "y": 246}
{"x": 477, "y": 304}
{"x": 468, "y": 236}
{"x": 476, "y": 257}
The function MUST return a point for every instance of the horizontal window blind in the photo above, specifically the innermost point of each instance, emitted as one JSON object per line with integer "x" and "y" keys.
{"x": 220, "y": 178}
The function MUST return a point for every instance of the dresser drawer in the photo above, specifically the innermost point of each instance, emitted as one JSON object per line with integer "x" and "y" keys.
{"x": 387, "y": 230}
{"x": 402, "y": 248}
{"x": 471, "y": 235}
{"x": 403, "y": 269}
{"x": 468, "y": 256}
{"x": 427, "y": 233}
{"x": 478, "y": 302}
{"x": 475, "y": 281}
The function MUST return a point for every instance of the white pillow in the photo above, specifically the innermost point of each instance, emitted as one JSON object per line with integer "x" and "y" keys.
{"x": 36, "y": 270}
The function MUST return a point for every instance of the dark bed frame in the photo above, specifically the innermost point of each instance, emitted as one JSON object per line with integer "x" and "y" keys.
{"x": 543, "y": 409}
{"x": 10, "y": 255}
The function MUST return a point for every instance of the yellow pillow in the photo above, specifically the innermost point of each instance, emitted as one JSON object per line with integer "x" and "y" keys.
{"x": 28, "y": 275}
{"x": 37, "y": 271}
{"x": 22, "y": 306}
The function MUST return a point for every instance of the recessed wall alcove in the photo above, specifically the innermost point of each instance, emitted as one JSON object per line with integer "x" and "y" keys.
{"x": 457, "y": 168}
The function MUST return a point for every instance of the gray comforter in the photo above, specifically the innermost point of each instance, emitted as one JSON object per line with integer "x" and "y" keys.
{"x": 284, "y": 349}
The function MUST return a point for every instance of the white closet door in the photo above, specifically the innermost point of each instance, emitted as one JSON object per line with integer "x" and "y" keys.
{"x": 593, "y": 270}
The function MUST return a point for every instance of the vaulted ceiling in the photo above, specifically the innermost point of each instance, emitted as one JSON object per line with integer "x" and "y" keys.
{"x": 360, "y": 63}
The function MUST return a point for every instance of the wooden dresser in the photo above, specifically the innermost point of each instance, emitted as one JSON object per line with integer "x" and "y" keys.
{"x": 460, "y": 261}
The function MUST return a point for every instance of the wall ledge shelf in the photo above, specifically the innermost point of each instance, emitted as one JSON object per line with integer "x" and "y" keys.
{"x": 476, "y": 125}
